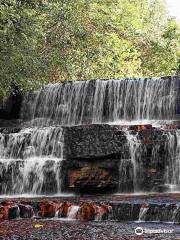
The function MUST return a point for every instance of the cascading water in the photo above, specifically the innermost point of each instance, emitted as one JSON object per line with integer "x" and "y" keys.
{"x": 142, "y": 213}
{"x": 30, "y": 159}
{"x": 72, "y": 212}
{"x": 134, "y": 148}
{"x": 173, "y": 160}
{"x": 145, "y": 161}
{"x": 85, "y": 102}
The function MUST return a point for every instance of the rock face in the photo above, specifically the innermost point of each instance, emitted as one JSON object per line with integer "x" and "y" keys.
{"x": 92, "y": 176}
{"x": 97, "y": 158}
{"x": 93, "y": 153}
{"x": 10, "y": 107}
{"x": 94, "y": 141}
{"x": 56, "y": 147}
{"x": 124, "y": 159}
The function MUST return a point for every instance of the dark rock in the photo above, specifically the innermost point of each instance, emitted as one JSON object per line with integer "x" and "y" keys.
{"x": 26, "y": 211}
{"x": 10, "y": 107}
{"x": 94, "y": 141}
{"x": 91, "y": 176}
{"x": 48, "y": 209}
{"x": 9, "y": 210}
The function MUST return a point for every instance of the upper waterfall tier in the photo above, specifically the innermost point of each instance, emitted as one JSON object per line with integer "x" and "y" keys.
{"x": 98, "y": 101}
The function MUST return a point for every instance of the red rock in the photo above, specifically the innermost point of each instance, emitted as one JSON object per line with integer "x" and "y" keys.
{"x": 4, "y": 212}
{"x": 145, "y": 206}
{"x": 8, "y": 210}
{"x": 63, "y": 209}
{"x": 87, "y": 211}
{"x": 102, "y": 212}
{"x": 171, "y": 126}
{"x": 48, "y": 209}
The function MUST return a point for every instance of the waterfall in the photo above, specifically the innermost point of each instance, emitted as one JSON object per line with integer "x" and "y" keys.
{"x": 85, "y": 102}
{"x": 31, "y": 158}
{"x": 30, "y": 176}
{"x": 30, "y": 161}
{"x": 134, "y": 146}
{"x": 173, "y": 160}
{"x": 31, "y": 142}
{"x": 72, "y": 212}
{"x": 145, "y": 164}
{"x": 142, "y": 213}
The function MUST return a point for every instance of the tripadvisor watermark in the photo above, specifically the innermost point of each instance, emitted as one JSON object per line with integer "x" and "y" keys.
{"x": 139, "y": 231}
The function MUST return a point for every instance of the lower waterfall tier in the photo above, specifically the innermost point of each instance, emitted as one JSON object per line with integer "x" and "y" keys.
{"x": 142, "y": 208}
{"x": 30, "y": 176}
{"x": 89, "y": 158}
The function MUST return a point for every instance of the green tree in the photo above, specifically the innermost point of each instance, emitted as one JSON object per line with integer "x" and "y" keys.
{"x": 50, "y": 41}
{"x": 20, "y": 34}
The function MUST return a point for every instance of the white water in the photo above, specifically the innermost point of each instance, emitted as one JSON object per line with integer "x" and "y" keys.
{"x": 84, "y": 102}
{"x": 72, "y": 212}
{"x": 153, "y": 123}
{"x": 31, "y": 176}
{"x": 134, "y": 145}
{"x": 31, "y": 159}
{"x": 132, "y": 165}
{"x": 30, "y": 142}
{"x": 173, "y": 166}
{"x": 142, "y": 213}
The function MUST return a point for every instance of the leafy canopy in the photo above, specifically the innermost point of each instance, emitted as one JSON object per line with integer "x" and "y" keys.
{"x": 50, "y": 41}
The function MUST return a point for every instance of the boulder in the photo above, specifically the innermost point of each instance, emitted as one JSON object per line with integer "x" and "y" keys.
{"x": 87, "y": 211}
{"x": 48, "y": 209}
{"x": 9, "y": 210}
{"x": 63, "y": 209}
{"x": 26, "y": 211}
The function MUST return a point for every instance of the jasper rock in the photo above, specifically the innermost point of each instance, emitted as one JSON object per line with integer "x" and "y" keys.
{"x": 87, "y": 211}
{"x": 9, "y": 210}
{"x": 91, "y": 176}
{"x": 94, "y": 178}
{"x": 103, "y": 212}
{"x": 4, "y": 212}
{"x": 26, "y": 211}
{"x": 48, "y": 209}
{"x": 63, "y": 209}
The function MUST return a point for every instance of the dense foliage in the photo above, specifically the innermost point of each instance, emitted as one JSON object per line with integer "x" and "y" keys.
{"x": 49, "y": 41}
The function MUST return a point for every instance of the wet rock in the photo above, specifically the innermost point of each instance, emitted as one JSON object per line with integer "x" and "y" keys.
{"x": 93, "y": 141}
{"x": 48, "y": 209}
{"x": 4, "y": 212}
{"x": 87, "y": 211}
{"x": 26, "y": 211}
{"x": 10, "y": 107}
{"x": 91, "y": 177}
{"x": 103, "y": 212}
{"x": 9, "y": 210}
{"x": 63, "y": 209}
{"x": 126, "y": 211}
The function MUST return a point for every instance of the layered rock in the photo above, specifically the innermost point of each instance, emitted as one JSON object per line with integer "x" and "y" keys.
{"x": 38, "y": 156}
{"x": 97, "y": 158}
{"x": 93, "y": 176}
{"x": 122, "y": 211}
